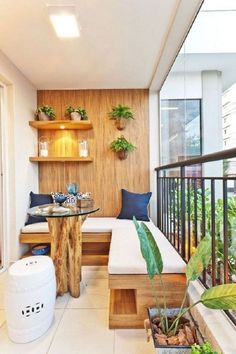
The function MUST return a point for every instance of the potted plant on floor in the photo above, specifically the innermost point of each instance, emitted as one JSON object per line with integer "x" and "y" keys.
{"x": 45, "y": 112}
{"x": 76, "y": 113}
{"x": 121, "y": 114}
{"x": 122, "y": 147}
{"x": 171, "y": 329}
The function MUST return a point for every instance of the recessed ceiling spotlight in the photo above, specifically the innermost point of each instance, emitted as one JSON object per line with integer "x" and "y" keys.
{"x": 64, "y": 21}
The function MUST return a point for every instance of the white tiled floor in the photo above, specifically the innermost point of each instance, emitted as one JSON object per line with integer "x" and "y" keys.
{"x": 80, "y": 325}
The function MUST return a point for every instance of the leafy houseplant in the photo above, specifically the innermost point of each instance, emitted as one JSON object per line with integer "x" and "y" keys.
{"x": 122, "y": 147}
{"x": 170, "y": 330}
{"x": 218, "y": 222}
{"x": 121, "y": 114}
{"x": 45, "y": 112}
{"x": 206, "y": 221}
{"x": 76, "y": 113}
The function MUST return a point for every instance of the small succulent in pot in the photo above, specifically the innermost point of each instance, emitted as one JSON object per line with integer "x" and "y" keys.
{"x": 121, "y": 114}
{"x": 45, "y": 112}
{"x": 122, "y": 147}
{"x": 78, "y": 113}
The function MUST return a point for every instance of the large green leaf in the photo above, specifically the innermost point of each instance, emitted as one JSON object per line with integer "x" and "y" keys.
{"x": 221, "y": 297}
{"x": 149, "y": 249}
{"x": 199, "y": 260}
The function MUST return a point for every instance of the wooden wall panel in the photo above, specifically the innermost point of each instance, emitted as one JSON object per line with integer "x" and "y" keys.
{"x": 106, "y": 175}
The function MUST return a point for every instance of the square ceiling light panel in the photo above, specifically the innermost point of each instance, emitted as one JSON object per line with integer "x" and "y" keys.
{"x": 64, "y": 21}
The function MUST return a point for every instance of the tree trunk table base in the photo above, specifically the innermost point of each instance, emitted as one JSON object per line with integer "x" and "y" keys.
{"x": 66, "y": 252}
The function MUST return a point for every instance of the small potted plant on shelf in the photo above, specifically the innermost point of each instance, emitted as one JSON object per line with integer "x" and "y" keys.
{"x": 45, "y": 112}
{"x": 121, "y": 114}
{"x": 122, "y": 147}
{"x": 76, "y": 113}
{"x": 172, "y": 330}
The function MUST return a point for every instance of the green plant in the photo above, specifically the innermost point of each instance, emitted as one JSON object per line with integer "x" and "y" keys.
{"x": 79, "y": 110}
{"x": 121, "y": 112}
{"x": 48, "y": 110}
{"x": 218, "y": 297}
{"x": 190, "y": 212}
{"x": 205, "y": 348}
{"x": 121, "y": 144}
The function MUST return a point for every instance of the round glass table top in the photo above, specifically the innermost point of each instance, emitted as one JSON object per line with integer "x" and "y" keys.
{"x": 56, "y": 211}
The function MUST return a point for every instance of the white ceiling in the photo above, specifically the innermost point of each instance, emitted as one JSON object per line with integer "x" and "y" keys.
{"x": 120, "y": 44}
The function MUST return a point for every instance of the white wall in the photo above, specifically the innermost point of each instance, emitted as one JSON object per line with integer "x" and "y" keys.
{"x": 22, "y": 176}
{"x": 153, "y": 150}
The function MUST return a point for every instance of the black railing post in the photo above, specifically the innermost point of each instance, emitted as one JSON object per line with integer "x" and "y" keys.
{"x": 213, "y": 233}
{"x": 225, "y": 232}
{"x": 174, "y": 220}
{"x": 178, "y": 215}
{"x": 158, "y": 200}
{"x": 189, "y": 218}
{"x": 182, "y": 174}
{"x": 164, "y": 202}
{"x": 203, "y": 225}
{"x": 195, "y": 212}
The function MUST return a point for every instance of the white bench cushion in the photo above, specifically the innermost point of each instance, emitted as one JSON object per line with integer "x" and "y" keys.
{"x": 99, "y": 224}
{"x": 38, "y": 228}
{"x": 102, "y": 224}
{"x": 125, "y": 256}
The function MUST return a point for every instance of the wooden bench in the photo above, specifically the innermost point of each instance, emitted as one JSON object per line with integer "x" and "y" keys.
{"x": 130, "y": 290}
{"x": 96, "y": 237}
{"x": 113, "y": 241}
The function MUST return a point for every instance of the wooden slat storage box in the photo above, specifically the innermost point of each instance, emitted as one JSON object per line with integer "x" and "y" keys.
{"x": 85, "y": 203}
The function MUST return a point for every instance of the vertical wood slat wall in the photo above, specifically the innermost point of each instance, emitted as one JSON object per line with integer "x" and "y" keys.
{"x": 106, "y": 175}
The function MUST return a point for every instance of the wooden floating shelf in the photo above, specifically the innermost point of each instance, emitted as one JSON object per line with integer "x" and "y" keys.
{"x": 61, "y": 124}
{"x": 60, "y": 159}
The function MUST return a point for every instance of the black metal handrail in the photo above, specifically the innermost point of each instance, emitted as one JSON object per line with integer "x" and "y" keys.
{"x": 216, "y": 156}
{"x": 189, "y": 207}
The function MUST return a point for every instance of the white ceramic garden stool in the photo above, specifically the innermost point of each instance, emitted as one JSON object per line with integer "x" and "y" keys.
{"x": 30, "y": 298}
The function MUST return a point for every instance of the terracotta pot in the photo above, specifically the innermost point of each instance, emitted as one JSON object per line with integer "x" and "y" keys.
{"x": 120, "y": 123}
{"x": 43, "y": 116}
{"x": 175, "y": 349}
{"x": 123, "y": 154}
{"x": 75, "y": 116}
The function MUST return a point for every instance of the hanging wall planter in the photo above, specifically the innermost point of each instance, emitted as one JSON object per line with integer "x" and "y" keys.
{"x": 121, "y": 115}
{"x": 122, "y": 147}
{"x": 120, "y": 123}
{"x": 123, "y": 154}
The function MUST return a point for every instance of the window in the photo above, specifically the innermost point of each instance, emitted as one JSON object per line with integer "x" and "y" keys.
{"x": 180, "y": 129}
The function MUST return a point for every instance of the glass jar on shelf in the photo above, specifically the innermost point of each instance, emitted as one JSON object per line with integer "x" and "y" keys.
{"x": 43, "y": 146}
{"x": 83, "y": 148}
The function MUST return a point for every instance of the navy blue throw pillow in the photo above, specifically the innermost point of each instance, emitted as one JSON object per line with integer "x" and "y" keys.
{"x": 35, "y": 200}
{"x": 134, "y": 204}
